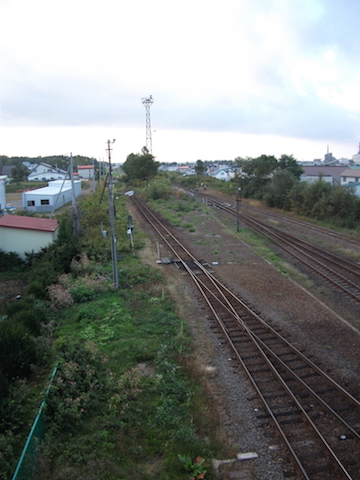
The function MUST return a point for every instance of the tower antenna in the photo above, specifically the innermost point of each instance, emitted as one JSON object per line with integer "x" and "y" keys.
{"x": 147, "y": 102}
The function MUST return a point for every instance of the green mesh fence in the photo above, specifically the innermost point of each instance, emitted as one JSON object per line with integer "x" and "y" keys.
{"x": 28, "y": 460}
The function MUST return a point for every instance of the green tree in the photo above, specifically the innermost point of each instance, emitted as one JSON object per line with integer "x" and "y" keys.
{"x": 258, "y": 172}
{"x": 289, "y": 163}
{"x": 140, "y": 166}
{"x": 200, "y": 167}
{"x": 19, "y": 173}
{"x": 278, "y": 191}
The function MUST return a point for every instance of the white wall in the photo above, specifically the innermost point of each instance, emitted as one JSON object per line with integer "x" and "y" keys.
{"x": 22, "y": 240}
{"x": 44, "y": 199}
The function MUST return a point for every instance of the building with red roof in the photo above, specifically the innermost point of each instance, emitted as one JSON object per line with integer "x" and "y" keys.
{"x": 86, "y": 171}
{"x": 26, "y": 234}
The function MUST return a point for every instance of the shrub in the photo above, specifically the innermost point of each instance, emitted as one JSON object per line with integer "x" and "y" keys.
{"x": 29, "y": 312}
{"x": 80, "y": 388}
{"x": 159, "y": 189}
{"x": 17, "y": 350}
{"x": 11, "y": 262}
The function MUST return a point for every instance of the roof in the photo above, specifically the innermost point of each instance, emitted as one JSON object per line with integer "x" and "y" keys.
{"x": 29, "y": 223}
{"x": 84, "y": 166}
{"x": 351, "y": 172}
{"x": 49, "y": 167}
{"x": 322, "y": 169}
{"x": 6, "y": 170}
{"x": 53, "y": 188}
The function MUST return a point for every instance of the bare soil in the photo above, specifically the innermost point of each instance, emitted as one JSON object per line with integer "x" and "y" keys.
{"x": 312, "y": 320}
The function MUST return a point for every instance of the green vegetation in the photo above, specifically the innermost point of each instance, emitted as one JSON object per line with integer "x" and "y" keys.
{"x": 176, "y": 209}
{"x": 140, "y": 167}
{"x": 276, "y": 183}
{"x": 200, "y": 167}
{"x": 126, "y": 401}
{"x": 121, "y": 387}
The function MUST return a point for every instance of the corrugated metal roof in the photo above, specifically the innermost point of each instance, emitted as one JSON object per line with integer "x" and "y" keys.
{"x": 29, "y": 223}
{"x": 85, "y": 166}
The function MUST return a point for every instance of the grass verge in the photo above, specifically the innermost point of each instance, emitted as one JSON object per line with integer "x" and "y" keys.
{"x": 125, "y": 403}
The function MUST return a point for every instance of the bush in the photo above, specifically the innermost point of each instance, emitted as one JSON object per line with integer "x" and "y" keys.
{"x": 11, "y": 262}
{"x": 17, "y": 350}
{"x": 29, "y": 312}
{"x": 159, "y": 188}
{"x": 277, "y": 191}
{"x": 81, "y": 386}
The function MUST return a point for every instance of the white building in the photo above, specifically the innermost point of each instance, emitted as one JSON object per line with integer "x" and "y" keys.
{"x": 52, "y": 197}
{"x": 350, "y": 175}
{"x": 43, "y": 172}
{"x": 223, "y": 173}
{"x": 86, "y": 171}
{"x": 328, "y": 174}
{"x": 26, "y": 234}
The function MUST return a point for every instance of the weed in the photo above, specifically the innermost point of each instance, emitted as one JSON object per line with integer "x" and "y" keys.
{"x": 195, "y": 469}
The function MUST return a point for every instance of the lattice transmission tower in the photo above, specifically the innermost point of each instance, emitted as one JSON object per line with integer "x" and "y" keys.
{"x": 147, "y": 102}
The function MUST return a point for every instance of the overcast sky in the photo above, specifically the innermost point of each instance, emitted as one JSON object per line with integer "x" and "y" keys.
{"x": 229, "y": 78}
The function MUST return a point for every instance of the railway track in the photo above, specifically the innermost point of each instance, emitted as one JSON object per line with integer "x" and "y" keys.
{"x": 306, "y": 225}
{"x": 254, "y": 211}
{"x": 317, "y": 420}
{"x": 339, "y": 272}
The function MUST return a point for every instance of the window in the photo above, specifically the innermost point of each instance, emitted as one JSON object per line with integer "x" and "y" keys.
{"x": 31, "y": 203}
{"x": 44, "y": 202}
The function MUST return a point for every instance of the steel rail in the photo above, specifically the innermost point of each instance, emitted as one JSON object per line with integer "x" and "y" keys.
{"x": 251, "y": 312}
{"x": 282, "y": 216}
{"x": 261, "y": 347}
{"x": 277, "y": 237}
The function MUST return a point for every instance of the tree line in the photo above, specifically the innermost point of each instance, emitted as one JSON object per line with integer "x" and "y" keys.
{"x": 276, "y": 182}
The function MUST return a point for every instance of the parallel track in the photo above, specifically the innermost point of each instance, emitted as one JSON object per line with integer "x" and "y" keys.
{"x": 341, "y": 273}
{"x": 317, "y": 419}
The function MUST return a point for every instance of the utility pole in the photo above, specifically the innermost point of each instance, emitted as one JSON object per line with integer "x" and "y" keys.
{"x": 238, "y": 193}
{"x": 112, "y": 219}
{"x": 147, "y": 102}
{"x": 75, "y": 211}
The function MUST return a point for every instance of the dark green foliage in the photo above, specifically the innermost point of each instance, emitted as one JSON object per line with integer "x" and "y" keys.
{"x": 277, "y": 192}
{"x": 200, "y": 167}
{"x": 159, "y": 188}
{"x": 29, "y": 312}
{"x": 140, "y": 166}
{"x": 95, "y": 218}
{"x": 289, "y": 163}
{"x": 11, "y": 262}
{"x": 19, "y": 173}
{"x": 323, "y": 201}
{"x": 17, "y": 350}
{"x": 53, "y": 260}
{"x": 37, "y": 288}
